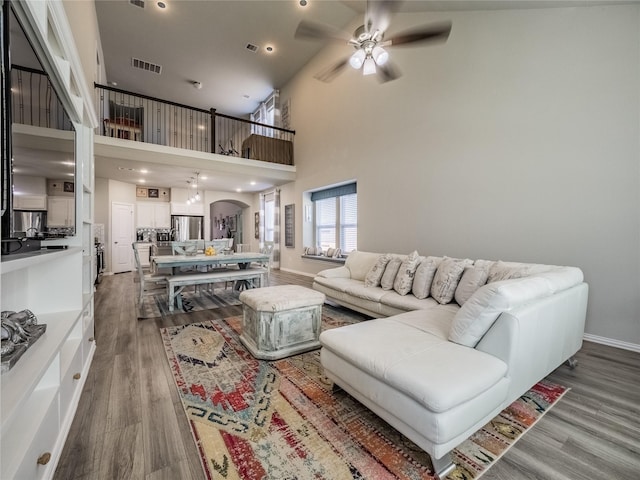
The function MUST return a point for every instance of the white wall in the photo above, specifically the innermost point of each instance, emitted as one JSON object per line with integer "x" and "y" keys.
{"x": 518, "y": 139}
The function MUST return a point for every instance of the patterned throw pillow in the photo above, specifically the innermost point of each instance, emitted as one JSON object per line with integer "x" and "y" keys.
{"x": 390, "y": 273}
{"x": 374, "y": 275}
{"x": 472, "y": 279}
{"x": 337, "y": 253}
{"x": 447, "y": 277}
{"x": 330, "y": 251}
{"x": 424, "y": 276}
{"x": 404, "y": 279}
{"x": 504, "y": 271}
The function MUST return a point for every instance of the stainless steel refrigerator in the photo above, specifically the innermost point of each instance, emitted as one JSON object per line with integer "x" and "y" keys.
{"x": 187, "y": 227}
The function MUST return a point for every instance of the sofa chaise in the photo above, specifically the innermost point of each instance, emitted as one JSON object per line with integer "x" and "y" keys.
{"x": 460, "y": 342}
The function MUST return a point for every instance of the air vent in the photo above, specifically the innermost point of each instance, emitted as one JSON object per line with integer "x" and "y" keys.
{"x": 137, "y": 3}
{"x": 147, "y": 66}
{"x": 251, "y": 47}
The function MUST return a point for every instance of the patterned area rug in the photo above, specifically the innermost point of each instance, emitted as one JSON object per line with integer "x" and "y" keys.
{"x": 156, "y": 305}
{"x": 253, "y": 419}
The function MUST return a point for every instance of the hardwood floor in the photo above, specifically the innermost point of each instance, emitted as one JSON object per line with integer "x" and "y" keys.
{"x": 130, "y": 423}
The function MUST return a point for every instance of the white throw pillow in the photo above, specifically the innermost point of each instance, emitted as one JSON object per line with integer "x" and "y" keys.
{"x": 446, "y": 279}
{"x": 404, "y": 279}
{"x": 390, "y": 273}
{"x": 330, "y": 252}
{"x": 472, "y": 279}
{"x": 479, "y": 313}
{"x": 375, "y": 274}
{"x": 424, "y": 277}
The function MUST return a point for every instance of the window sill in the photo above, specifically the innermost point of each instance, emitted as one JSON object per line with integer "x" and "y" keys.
{"x": 322, "y": 258}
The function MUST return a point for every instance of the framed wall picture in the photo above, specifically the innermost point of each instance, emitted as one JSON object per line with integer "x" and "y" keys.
{"x": 289, "y": 225}
{"x": 154, "y": 193}
{"x": 68, "y": 186}
{"x": 141, "y": 192}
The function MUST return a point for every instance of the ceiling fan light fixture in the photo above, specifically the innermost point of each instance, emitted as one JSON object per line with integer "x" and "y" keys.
{"x": 369, "y": 67}
{"x": 357, "y": 59}
{"x": 380, "y": 55}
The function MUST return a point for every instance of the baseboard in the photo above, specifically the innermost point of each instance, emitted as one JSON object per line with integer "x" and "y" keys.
{"x": 611, "y": 342}
{"x": 306, "y": 274}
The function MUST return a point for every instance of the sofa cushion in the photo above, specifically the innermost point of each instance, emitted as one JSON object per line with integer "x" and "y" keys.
{"x": 390, "y": 272}
{"x": 446, "y": 278}
{"x": 374, "y": 275}
{"x": 424, "y": 277}
{"x": 472, "y": 279}
{"x": 479, "y": 313}
{"x": 359, "y": 290}
{"x": 359, "y": 263}
{"x": 404, "y": 278}
{"x": 398, "y": 351}
{"x": 336, "y": 283}
{"x": 406, "y": 302}
{"x": 507, "y": 270}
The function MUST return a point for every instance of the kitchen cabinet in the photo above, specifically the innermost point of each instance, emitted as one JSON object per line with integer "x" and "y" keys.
{"x": 30, "y": 202}
{"x": 179, "y": 208}
{"x": 153, "y": 215}
{"x": 61, "y": 212}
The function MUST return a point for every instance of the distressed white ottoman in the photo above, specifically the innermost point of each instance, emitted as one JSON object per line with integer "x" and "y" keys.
{"x": 281, "y": 321}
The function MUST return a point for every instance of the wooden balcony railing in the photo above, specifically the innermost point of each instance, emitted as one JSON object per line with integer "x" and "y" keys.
{"x": 147, "y": 119}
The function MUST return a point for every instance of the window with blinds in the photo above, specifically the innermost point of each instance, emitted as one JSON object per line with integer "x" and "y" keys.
{"x": 336, "y": 218}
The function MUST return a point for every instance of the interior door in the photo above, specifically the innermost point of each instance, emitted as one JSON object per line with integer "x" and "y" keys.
{"x": 121, "y": 237}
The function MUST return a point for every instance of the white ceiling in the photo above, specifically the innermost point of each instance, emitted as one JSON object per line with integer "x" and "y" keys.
{"x": 195, "y": 40}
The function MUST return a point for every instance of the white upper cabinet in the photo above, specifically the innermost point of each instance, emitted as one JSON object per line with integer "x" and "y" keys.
{"x": 179, "y": 208}
{"x": 153, "y": 215}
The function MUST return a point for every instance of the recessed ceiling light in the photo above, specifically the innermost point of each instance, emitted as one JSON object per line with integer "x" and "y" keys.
{"x": 246, "y": 96}
{"x": 303, "y": 3}
{"x": 113, "y": 84}
{"x": 253, "y": 183}
{"x": 204, "y": 177}
{"x": 70, "y": 174}
{"x": 269, "y": 49}
{"x": 238, "y": 190}
{"x": 142, "y": 180}
{"x": 144, "y": 170}
{"x": 161, "y": 5}
{"x": 200, "y": 127}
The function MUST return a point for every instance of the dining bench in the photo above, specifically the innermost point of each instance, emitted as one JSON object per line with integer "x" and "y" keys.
{"x": 176, "y": 283}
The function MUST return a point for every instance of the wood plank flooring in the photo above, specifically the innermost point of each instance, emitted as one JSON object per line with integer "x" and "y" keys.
{"x": 130, "y": 423}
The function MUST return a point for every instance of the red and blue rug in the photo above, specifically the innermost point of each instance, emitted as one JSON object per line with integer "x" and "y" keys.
{"x": 253, "y": 419}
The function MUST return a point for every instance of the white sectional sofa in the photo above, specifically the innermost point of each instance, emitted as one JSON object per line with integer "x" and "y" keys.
{"x": 439, "y": 368}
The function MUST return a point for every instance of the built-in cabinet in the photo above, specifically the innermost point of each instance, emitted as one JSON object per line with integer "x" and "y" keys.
{"x": 30, "y": 202}
{"x": 40, "y": 394}
{"x": 179, "y": 208}
{"x": 153, "y": 215}
{"x": 61, "y": 212}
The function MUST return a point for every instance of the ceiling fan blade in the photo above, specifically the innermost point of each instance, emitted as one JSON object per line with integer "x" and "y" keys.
{"x": 319, "y": 31}
{"x": 331, "y": 72}
{"x": 427, "y": 33}
{"x": 378, "y": 14}
{"x": 387, "y": 72}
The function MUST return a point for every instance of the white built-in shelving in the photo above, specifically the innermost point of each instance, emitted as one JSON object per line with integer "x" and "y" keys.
{"x": 40, "y": 394}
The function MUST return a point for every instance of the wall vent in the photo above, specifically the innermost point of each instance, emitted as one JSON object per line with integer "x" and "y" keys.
{"x": 147, "y": 66}
{"x": 137, "y": 3}
{"x": 251, "y": 47}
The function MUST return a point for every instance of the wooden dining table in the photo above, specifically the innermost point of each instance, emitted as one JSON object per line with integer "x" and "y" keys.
{"x": 243, "y": 260}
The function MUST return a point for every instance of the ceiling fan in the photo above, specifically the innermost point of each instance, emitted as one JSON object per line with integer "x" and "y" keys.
{"x": 369, "y": 42}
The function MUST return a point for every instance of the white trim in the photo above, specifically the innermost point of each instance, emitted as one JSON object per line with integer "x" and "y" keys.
{"x": 612, "y": 342}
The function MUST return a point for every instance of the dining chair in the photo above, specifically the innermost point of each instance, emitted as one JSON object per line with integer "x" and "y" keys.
{"x": 149, "y": 283}
{"x": 268, "y": 249}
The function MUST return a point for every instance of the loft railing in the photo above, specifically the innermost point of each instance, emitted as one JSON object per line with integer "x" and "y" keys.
{"x": 147, "y": 119}
{"x": 35, "y": 102}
